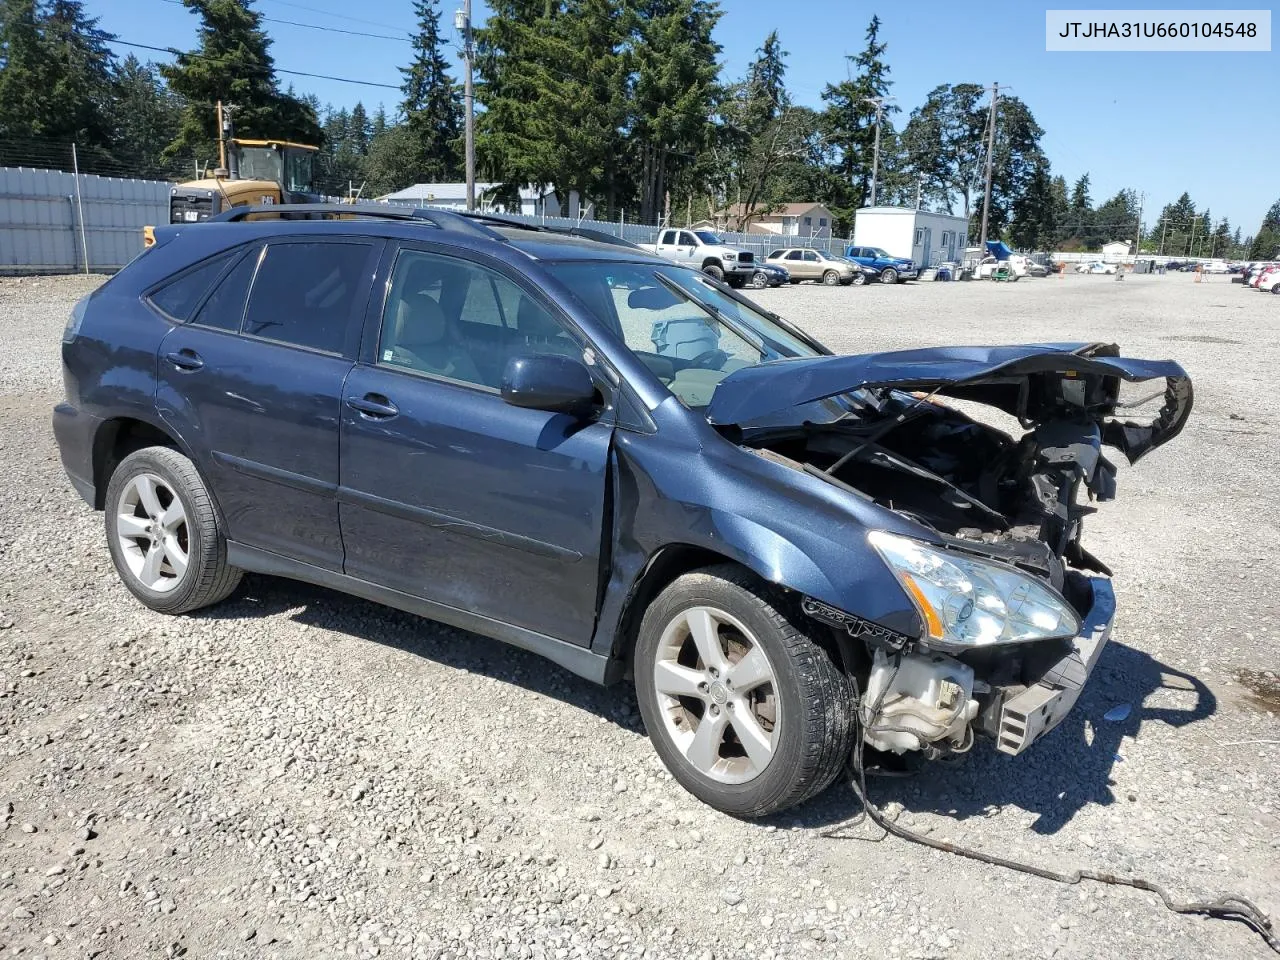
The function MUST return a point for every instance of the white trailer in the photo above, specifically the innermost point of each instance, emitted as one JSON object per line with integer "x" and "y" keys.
{"x": 919, "y": 235}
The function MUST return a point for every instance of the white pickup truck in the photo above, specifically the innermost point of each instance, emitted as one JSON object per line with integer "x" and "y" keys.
{"x": 705, "y": 250}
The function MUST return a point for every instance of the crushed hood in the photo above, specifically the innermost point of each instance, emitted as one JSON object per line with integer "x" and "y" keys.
{"x": 1017, "y": 379}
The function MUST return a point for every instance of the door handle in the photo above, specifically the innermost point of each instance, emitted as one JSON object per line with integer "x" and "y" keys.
{"x": 185, "y": 359}
{"x": 373, "y": 406}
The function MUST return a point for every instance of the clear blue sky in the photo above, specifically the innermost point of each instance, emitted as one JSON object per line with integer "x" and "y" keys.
{"x": 1160, "y": 123}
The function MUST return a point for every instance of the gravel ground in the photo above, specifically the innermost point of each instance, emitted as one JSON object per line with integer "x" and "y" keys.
{"x": 300, "y": 774}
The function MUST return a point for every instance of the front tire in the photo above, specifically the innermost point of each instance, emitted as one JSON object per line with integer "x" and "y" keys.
{"x": 830, "y": 278}
{"x": 859, "y": 279}
{"x": 713, "y": 271}
{"x": 1276, "y": 289}
{"x": 888, "y": 275}
{"x": 745, "y": 709}
{"x": 759, "y": 280}
{"x": 165, "y": 534}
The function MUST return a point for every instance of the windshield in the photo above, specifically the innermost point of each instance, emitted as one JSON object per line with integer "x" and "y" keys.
{"x": 259, "y": 163}
{"x": 707, "y": 237}
{"x": 688, "y": 333}
{"x": 297, "y": 170}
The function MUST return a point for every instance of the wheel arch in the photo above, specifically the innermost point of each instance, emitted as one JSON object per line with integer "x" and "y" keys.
{"x": 117, "y": 437}
{"x": 712, "y": 262}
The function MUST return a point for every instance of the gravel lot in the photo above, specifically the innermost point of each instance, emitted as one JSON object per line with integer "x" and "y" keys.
{"x": 299, "y": 774}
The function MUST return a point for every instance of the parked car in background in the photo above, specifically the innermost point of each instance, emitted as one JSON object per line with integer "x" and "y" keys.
{"x": 613, "y": 461}
{"x": 862, "y": 275}
{"x": 1269, "y": 280}
{"x": 1174, "y": 265}
{"x": 1217, "y": 266}
{"x": 704, "y": 250}
{"x": 1096, "y": 266}
{"x": 1036, "y": 269}
{"x": 805, "y": 263}
{"x": 888, "y": 269}
{"x": 768, "y": 275}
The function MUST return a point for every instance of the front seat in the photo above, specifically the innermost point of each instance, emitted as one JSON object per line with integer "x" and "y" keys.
{"x": 423, "y": 339}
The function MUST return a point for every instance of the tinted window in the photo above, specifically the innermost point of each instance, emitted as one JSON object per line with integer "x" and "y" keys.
{"x": 306, "y": 294}
{"x": 455, "y": 319}
{"x": 179, "y": 298}
{"x": 775, "y": 254}
{"x": 225, "y": 305}
{"x": 668, "y": 236}
{"x": 810, "y": 256}
{"x": 687, "y": 239}
{"x": 795, "y": 255}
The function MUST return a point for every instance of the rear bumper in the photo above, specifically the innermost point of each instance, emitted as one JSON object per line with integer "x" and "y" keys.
{"x": 1024, "y": 715}
{"x": 74, "y": 431}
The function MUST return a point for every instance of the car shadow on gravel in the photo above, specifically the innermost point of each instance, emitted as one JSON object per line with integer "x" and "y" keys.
{"x": 1072, "y": 767}
{"x": 260, "y": 596}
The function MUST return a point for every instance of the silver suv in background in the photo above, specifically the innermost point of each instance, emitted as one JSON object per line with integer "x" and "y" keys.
{"x": 806, "y": 264}
{"x": 705, "y": 251}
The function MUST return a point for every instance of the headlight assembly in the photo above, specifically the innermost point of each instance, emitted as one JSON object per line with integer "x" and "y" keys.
{"x": 967, "y": 602}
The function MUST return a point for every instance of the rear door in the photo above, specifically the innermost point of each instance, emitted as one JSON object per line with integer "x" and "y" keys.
{"x": 254, "y": 384}
{"x": 447, "y": 492}
{"x": 796, "y": 266}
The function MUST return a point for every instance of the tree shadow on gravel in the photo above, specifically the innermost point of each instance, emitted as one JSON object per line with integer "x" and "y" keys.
{"x": 261, "y": 596}
{"x": 1069, "y": 769}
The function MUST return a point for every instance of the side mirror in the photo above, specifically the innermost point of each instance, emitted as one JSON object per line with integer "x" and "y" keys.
{"x": 548, "y": 381}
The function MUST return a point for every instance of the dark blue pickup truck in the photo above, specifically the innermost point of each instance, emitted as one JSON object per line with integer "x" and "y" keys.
{"x": 888, "y": 269}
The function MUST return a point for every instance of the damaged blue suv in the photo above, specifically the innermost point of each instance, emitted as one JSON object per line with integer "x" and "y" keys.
{"x": 562, "y": 442}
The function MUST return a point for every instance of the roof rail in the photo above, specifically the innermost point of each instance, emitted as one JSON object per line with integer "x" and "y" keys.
{"x": 600, "y": 236}
{"x": 444, "y": 219}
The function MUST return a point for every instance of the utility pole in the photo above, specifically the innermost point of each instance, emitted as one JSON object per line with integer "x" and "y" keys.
{"x": 1192, "y": 236}
{"x": 462, "y": 20}
{"x": 1163, "y": 229}
{"x": 991, "y": 146}
{"x": 878, "y": 103}
{"x": 1137, "y": 244}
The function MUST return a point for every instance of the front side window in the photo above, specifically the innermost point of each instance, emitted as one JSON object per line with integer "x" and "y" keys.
{"x": 810, "y": 256}
{"x": 688, "y": 240}
{"x": 455, "y": 319}
{"x": 297, "y": 171}
{"x": 688, "y": 333}
{"x": 307, "y": 294}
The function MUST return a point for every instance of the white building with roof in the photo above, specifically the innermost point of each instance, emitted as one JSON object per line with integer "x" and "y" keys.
{"x": 534, "y": 200}
{"x": 923, "y": 236}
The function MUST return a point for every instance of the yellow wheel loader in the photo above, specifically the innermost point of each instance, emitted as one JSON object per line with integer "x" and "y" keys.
{"x": 249, "y": 173}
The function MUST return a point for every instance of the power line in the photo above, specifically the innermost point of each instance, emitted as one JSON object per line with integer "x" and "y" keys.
{"x": 293, "y": 73}
{"x": 316, "y": 26}
{"x": 339, "y": 16}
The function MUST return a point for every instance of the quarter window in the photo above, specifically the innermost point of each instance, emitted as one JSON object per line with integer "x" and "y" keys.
{"x": 306, "y": 294}
{"x": 455, "y": 319}
{"x": 179, "y": 298}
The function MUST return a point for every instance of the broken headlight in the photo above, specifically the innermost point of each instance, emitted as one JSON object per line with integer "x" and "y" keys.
{"x": 968, "y": 602}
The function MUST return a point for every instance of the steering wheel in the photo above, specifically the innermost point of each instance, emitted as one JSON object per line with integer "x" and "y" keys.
{"x": 709, "y": 360}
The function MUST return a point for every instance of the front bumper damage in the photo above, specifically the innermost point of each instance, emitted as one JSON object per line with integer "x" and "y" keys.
{"x": 916, "y": 699}
{"x": 1017, "y": 718}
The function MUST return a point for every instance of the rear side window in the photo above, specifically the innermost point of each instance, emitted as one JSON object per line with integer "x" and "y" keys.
{"x": 225, "y": 305}
{"x": 179, "y": 297}
{"x": 306, "y": 294}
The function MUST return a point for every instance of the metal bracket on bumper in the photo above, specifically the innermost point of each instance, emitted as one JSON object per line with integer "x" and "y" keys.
{"x": 1024, "y": 719}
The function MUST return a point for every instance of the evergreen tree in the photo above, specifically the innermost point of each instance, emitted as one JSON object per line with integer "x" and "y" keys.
{"x": 1034, "y": 225}
{"x": 56, "y": 73}
{"x": 146, "y": 117}
{"x": 432, "y": 106}
{"x": 1116, "y": 219}
{"x": 379, "y": 125}
{"x": 676, "y": 91}
{"x": 1078, "y": 230}
{"x": 945, "y": 140}
{"x": 233, "y": 65}
{"x": 851, "y": 122}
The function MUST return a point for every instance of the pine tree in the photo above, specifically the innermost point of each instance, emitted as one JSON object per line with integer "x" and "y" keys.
{"x": 851, "y": 121}
{"x": 233, "y": 65}
{"x": 432, "y": 106}
{"x": 675, "y": 91}
{"x": 146, "y": 117}
{"x": 57, "y": 73}
{"x": 1034, "y": 225}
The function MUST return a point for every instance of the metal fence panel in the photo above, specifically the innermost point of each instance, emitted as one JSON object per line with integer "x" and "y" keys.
{"x": 40, "y": 225}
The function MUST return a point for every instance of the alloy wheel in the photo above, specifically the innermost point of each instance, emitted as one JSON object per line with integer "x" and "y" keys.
{"x": 717, "y": 694}
{"x": 152, "y": 531}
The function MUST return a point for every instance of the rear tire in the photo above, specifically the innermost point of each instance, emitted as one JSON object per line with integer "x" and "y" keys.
{"x": 1276, "y": 289}
{"x": 767, "y": 726}
{"x": 888, "y": 275}
{"x": 166, "y": 536}
{"x": 713, "y": 271}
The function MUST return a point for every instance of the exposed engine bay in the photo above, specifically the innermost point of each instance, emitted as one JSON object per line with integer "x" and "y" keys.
{"x": 1018, "y": 500}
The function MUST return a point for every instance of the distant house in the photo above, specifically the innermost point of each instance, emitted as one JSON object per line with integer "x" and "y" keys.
{"x": 533, "y": 200}
{"x": 920, "y": 235}
{"x": 1115, "y": 251}
{"x": 781, "y": 220}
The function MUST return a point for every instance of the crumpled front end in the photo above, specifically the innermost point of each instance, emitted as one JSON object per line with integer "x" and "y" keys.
{"x": 1014, "y": 610}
